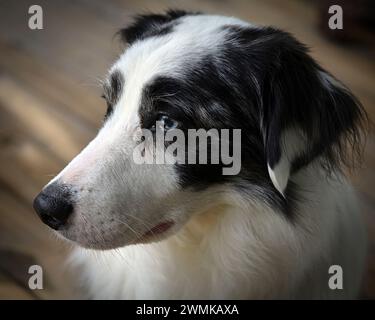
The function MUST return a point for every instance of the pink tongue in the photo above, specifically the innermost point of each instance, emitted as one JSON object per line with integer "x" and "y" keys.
{"x": 160, "y": 228}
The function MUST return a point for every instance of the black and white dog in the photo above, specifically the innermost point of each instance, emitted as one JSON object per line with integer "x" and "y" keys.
{"x": 188, "y": 231}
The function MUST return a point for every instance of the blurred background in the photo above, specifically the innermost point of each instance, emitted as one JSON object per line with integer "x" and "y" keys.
{"x": 50, "y": 105}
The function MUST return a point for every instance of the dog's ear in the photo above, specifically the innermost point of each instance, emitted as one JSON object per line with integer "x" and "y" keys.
{"x": 146, "y": 25}
{"x": 307, "y": 114}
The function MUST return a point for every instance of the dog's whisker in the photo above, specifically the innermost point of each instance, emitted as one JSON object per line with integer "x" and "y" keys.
{"x": 95, "y": 81}
{"x": 137, "y": 234}
{"x": 144, "y": 223}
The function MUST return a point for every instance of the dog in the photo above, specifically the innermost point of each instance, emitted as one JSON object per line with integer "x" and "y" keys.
{"x": 187, "y": 231}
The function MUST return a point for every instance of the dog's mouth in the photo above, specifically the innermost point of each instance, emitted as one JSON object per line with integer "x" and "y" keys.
{"x": 155, "y": 232}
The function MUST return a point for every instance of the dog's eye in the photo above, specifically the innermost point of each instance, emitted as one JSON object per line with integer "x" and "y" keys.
{"x": 166, "y": 123}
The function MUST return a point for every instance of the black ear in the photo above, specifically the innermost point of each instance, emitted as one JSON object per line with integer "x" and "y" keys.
{"x": 148, "y": 25}
{"x": 307, "y": 113}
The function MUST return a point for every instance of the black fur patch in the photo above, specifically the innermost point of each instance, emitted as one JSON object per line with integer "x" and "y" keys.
{"x": 272, "y": 84}
{"x": 294, "y": 95}
{"x": 112, "y": 90}
{"x": 151, "y": 25}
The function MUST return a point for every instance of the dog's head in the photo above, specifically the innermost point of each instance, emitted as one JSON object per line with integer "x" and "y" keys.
{"x": 192, "y": 71}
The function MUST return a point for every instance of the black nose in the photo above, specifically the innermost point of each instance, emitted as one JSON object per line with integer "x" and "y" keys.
{"x": 54, "y": 205}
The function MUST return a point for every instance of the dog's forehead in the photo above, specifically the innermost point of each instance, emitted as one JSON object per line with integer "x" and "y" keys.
{"x": 171, "y": 53}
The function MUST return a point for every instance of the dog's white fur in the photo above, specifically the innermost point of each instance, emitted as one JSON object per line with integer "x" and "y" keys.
{"x": 241, "y": 250}
{"x": 223, "y": 245}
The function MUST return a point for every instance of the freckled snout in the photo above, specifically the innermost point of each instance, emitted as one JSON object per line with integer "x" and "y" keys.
{"x": 54, "y": 205}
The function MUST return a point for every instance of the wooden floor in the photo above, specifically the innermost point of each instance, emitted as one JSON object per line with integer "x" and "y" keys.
{"x": 50, "y": 107}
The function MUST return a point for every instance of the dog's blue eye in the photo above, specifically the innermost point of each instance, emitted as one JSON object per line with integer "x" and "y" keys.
{"x": 166, "y": 122}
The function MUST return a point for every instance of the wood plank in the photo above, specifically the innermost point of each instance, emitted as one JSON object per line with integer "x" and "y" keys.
{"x": 32, "y": 238}
{"x": 75, "y": 99}
{"x": 61, "y": 137}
